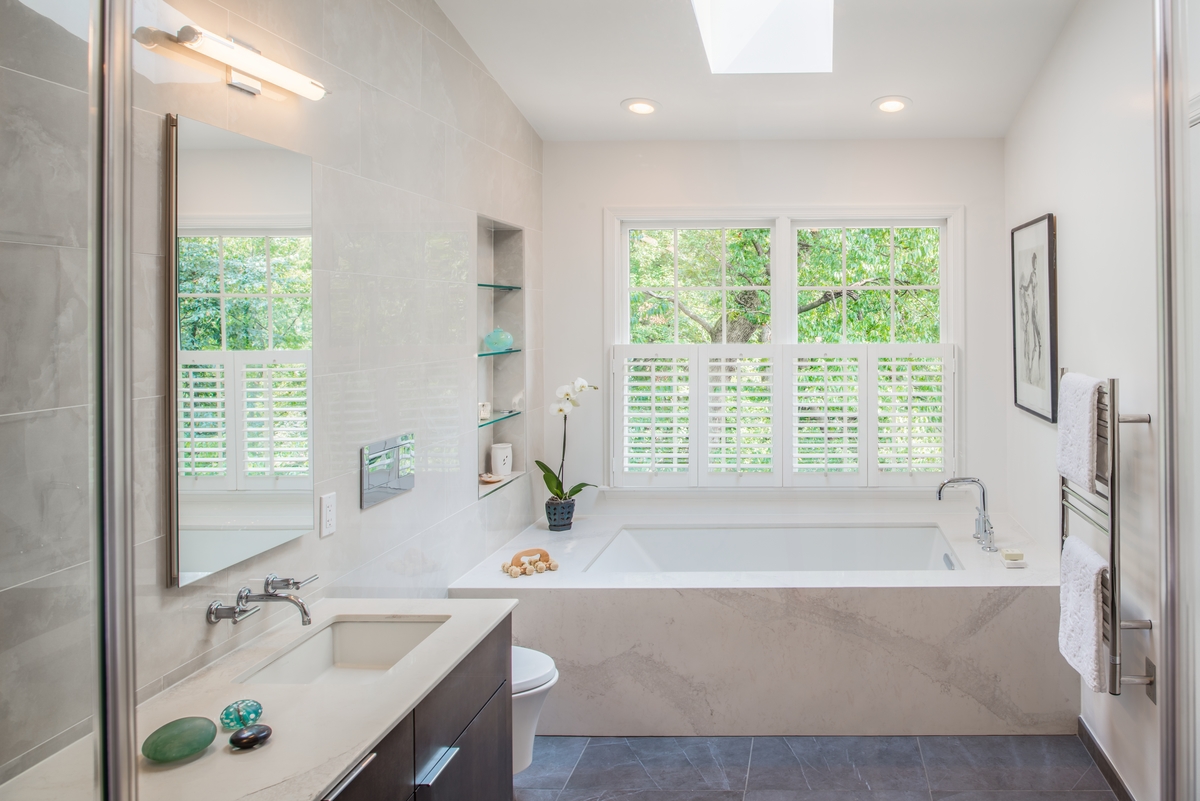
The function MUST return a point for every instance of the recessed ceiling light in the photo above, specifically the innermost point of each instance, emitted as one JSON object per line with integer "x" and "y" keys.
{"x": 640, "y": 105}
{"x": 891, "y": 104}
{"x": 766, "y": 36}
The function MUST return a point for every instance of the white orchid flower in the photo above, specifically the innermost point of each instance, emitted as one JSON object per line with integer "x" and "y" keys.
{"x": 566, "y": 392}
{"x": 582, "y": 385}
{"x": 562, "y": 407}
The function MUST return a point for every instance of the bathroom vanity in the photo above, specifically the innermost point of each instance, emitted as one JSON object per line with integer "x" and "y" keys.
{"x": 435, "y": 725}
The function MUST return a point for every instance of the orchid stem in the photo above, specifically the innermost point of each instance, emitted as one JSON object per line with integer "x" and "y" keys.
{"x": 563, "y": 461}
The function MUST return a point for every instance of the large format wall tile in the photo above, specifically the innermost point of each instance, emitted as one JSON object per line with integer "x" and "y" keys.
{"x": 377, "y": 42}
{"x": 45, "y": 506}
{"x": 47, "y": 644}
{"x": 43, "y": 149}
{"x": 400, "y": 172}
{"x": 43, "y": 332}
{"x": 37, "y": 45}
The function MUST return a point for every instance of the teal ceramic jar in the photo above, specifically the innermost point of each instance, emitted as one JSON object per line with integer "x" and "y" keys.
{"x": 498, "y": 340}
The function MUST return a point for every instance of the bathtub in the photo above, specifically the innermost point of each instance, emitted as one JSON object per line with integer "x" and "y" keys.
{"x": 723, "y": 615}
{"x": 672, "y": 549}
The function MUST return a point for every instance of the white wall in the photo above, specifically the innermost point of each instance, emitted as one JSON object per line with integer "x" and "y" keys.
{"x": 1082, "y": 148}
{"x": 258, "y": 185}
{"x": 581, "y": 179}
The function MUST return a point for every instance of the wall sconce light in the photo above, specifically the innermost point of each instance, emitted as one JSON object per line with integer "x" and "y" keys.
{"x": 242, "y": 59}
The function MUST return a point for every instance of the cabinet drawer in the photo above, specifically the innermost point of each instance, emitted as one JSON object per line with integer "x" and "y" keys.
{"x": 479, "y": 764}
{"x": 386, "y": 774}
{"x": 440, "y": 719}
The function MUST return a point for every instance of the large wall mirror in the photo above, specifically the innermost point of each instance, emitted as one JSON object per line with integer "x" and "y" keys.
{"x": 242, "y": 331}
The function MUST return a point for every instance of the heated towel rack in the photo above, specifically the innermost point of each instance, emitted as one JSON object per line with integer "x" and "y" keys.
{"x": 1103, "y": 511}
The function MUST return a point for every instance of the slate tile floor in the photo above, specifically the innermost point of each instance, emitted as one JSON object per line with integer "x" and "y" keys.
{"x": 1029, "y": 768}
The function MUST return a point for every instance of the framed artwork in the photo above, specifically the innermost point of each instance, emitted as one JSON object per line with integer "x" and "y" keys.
{"x": 1035, "y": 318}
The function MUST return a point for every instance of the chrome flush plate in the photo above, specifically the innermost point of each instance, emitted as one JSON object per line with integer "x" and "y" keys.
{"x": 388, "y": 469}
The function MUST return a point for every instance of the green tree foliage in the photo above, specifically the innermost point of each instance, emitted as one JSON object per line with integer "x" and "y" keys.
{"x": 258, "y": 288}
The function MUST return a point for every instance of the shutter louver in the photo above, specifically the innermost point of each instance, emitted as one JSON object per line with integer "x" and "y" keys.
{"x": 739, "y": 414}
{"x": 203, "y": 441}
{"x": 911, "y": 435}
{"x": 655, "y": 398}
{"x": 825, "y": 430}
{"x": 276, "y": 412}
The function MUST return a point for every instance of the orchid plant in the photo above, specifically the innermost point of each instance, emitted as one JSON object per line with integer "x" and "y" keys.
{"x": 567, "y": 399}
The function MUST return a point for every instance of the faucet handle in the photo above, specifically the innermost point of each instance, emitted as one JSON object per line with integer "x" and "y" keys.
{"x": 218, "y": 611}
{"x": 274, "y": 583}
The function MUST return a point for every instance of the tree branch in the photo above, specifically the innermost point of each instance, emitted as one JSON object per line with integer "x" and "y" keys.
{"x": 697, "y": 319}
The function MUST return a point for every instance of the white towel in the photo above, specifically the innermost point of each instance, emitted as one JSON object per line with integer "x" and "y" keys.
{"x": 1078, "y": 397}
{"x": 1081, "y": 613}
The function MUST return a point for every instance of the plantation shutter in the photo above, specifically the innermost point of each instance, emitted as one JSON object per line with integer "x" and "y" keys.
{"x": 828, "y": 420}
{"x": 275, "y": 419}
{"x": 655, "y": 412}
{"x": 202, "y": 417}
{"x": 912, "y": 403}
{"x": 740, "y": 389}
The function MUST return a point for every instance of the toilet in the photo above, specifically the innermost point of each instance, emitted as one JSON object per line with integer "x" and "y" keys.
{"x": 533, "y": 674}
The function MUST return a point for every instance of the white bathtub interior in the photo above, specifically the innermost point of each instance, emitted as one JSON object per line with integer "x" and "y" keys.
{"x": 682, "y": 549}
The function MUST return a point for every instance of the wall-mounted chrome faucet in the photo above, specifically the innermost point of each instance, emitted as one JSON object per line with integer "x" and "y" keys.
{"x": 983, "y": 521}
{"x": 271, "y": 586}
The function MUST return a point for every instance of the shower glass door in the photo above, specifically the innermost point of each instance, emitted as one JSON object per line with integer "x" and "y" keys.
{"x": 49, "y": 521}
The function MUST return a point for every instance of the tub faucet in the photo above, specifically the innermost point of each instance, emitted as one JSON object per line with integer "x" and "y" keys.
{"x": 983, "y": 522}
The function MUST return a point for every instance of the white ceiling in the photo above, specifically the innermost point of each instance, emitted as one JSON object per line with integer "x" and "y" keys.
{"x": 567, "y": 64}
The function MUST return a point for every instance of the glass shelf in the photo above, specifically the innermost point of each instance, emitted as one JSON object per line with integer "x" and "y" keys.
{"x": 504, "y": 287}
{"x": 488, "y": 489}
{"x": 500, "y": 352}
{"x": 503, "y": 416}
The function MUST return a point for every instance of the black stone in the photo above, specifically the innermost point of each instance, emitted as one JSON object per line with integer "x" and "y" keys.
{"x": 250, "y": 736}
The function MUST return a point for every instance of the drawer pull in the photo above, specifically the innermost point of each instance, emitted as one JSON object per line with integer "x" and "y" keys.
{"x": 436, "y": 771}
{"x": 350, "y": 777}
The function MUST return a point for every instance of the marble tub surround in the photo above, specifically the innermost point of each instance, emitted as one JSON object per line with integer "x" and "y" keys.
{"x": 320, "y": 731}
{"x": 1013, "y": 768}
{"x": 971, "y": 651}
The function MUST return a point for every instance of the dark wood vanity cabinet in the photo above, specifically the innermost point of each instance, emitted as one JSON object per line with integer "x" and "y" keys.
{"x": 457, "y": 743}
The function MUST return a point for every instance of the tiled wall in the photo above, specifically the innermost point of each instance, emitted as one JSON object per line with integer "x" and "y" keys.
{"x": 413, "y": 142}
{"x": 46, "y": 513}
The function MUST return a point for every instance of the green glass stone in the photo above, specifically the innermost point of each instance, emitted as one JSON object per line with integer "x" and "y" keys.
{"x": 179, "y": 739}
{"x": 241, "y": 714}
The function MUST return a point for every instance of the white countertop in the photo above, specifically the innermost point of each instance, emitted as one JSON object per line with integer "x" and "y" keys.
{"x": 319, "y": 731}
{"x": 575, "y": 549}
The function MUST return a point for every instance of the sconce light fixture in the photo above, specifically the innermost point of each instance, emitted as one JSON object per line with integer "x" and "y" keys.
{"x": 242, "y": 59}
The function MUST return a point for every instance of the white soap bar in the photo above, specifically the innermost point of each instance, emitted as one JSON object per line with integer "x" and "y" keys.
{"x": 1013, "y": 564}
{"x": 1013, "y": 554}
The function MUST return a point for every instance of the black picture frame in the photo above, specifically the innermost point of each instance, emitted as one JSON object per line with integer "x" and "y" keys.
{"x": 1035, "y": 317}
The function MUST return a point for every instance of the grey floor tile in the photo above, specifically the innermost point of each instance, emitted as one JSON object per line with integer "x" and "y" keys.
{"x": 1026, "y": 795}
{"x": 694, "y": 763}
{"x": 860, "y": 763}
{"x": 610, "y": 766}
{"x": 774, "y": 766}
{"x": 837, "y": 795}
{"x": 526, "y": 794}
{"x": 1019, "y": 763}
{"x": 649, "y": 795}
{"x": 553, "y": 760}
{"x": 1092, "y": 781}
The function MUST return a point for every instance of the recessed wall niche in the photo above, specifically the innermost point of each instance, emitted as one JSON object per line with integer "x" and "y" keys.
{"x": 501, "y": 370}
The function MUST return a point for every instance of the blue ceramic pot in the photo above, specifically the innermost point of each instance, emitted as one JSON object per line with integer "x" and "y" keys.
{"x": 559, "y": 514}
{"x": 498, "y": 340}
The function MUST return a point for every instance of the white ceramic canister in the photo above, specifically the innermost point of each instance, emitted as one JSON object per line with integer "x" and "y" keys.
{"x": 502, "y": 458}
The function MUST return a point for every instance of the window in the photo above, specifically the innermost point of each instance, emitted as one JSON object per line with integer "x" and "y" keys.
{"x": 245, "y": 359}
{"x": 712, "y": 388}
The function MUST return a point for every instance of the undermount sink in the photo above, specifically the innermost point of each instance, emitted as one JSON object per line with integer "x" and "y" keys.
{"x": 346, "y": 651}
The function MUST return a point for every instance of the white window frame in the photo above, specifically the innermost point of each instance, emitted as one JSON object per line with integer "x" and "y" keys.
{"x": 787, "y": 219}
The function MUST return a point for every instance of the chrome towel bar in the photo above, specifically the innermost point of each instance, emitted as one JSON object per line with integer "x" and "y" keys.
{"x": 1103, "y": 512}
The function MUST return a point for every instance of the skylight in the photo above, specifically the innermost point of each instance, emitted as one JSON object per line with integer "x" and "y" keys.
{"x": 766, "y": 36}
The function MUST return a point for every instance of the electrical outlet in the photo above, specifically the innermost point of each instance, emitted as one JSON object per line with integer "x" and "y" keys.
{"x": 328, "y": 514}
